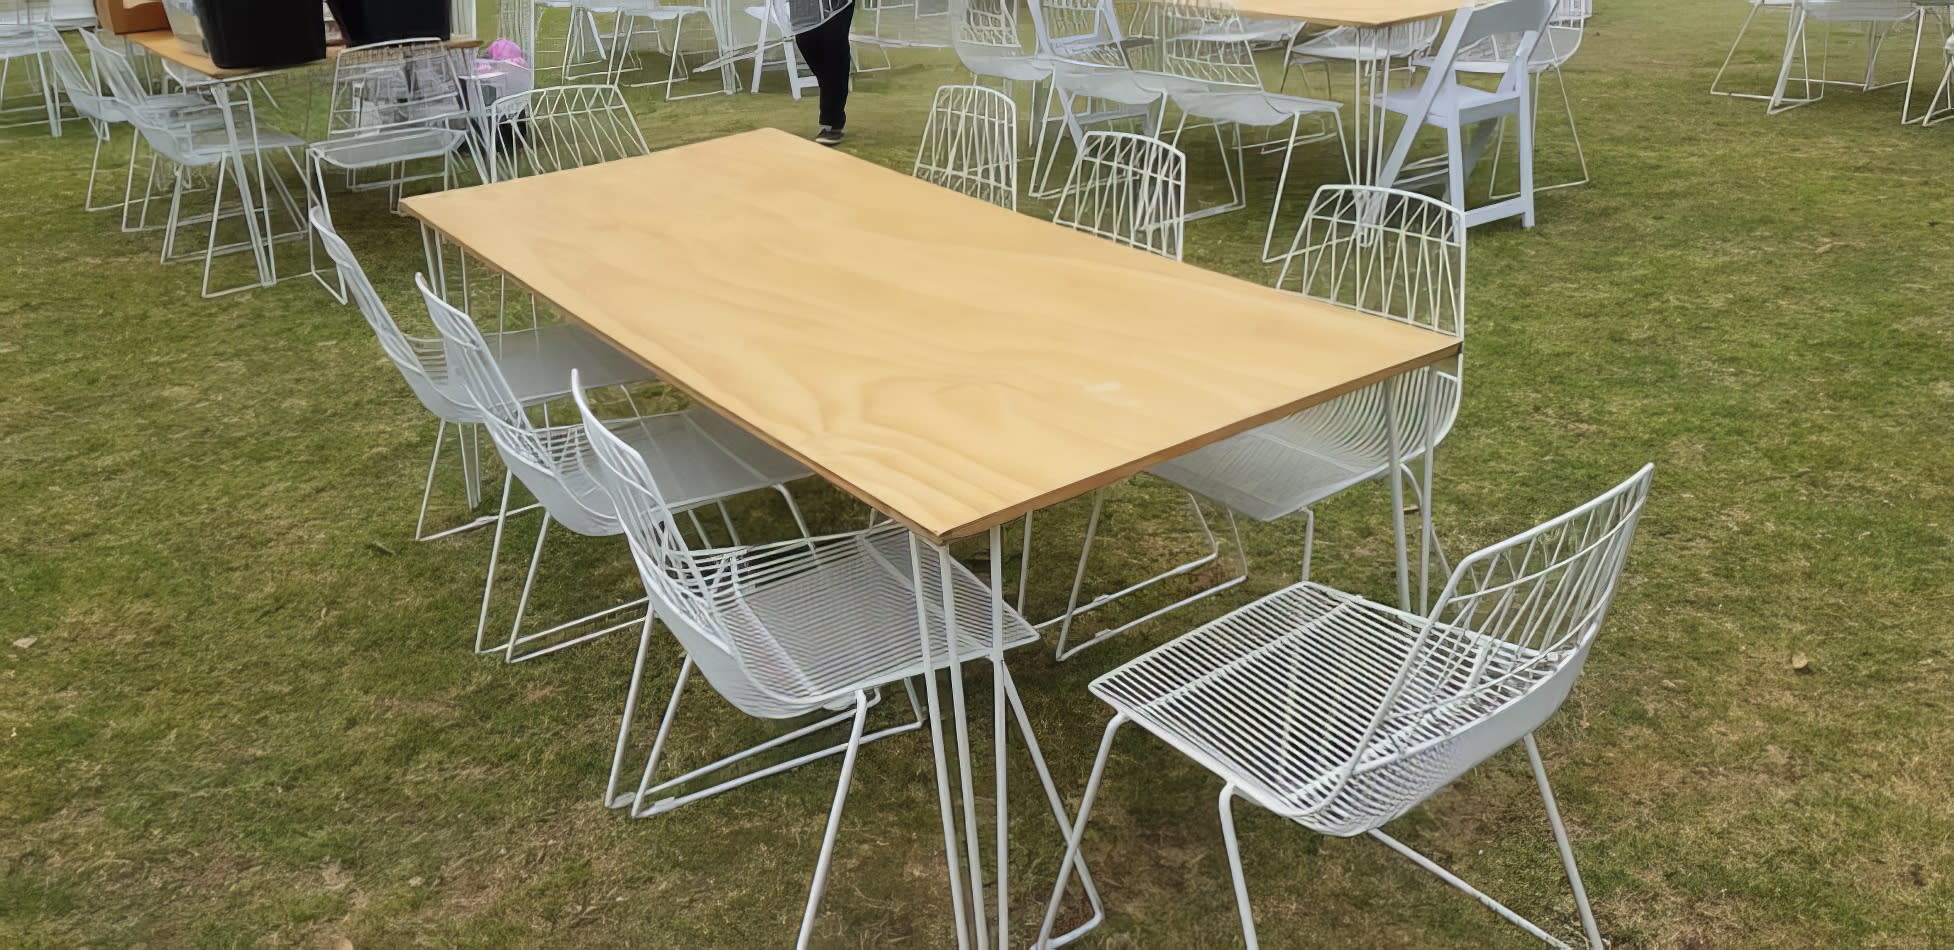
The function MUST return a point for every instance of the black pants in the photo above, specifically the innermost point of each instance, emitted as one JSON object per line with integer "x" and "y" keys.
{"x": 825, "y": 50}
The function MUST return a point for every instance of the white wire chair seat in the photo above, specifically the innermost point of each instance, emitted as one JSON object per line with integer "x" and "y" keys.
{"x": 970, "y": 144}
{"x": 1347, "y": 44}
{"x": 1284, "y": 467}
{"x": 987, "y": 41}
{"x": 1277, "y": 696}
{"x": 807, "y": 623}
{"x": 388, "y": 147}
{"x": 1342, "y": 715}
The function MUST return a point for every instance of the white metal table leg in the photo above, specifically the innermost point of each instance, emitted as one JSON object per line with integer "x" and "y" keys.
{"x": 1396, "y": 475}
{"x": 934, "y": 703}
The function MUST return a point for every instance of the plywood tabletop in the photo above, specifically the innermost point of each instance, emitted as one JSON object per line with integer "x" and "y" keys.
{"x": 1352, "y": 12}
{"x": 949, "y": 362}
{"x": 165, "y": 44}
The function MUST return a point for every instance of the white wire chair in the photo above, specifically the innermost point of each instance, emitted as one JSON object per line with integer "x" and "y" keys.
{"x": 1092, "y": 82}
{"x": 1392, "y": 47}
{"x": 1206, "y": 44}
{"x": 652, "y": 18}
{"x": 1341, "y": 714}
{"x": 193, "y": 143}
{"x": 1756, "y": 7}
{"x": 535, "y": 362}
{"x": 1555, "y": 48}
{"x": 22, "y": 38}
{"x": 1399, "y": 256}
{"x": 100, "y": 111}
{"x": 970, "y": 144}
{"x": 1940, "y": 106}
{"x": 1129, "y": 189}
{"x": 188, "y": 108}
{"x": 1445, "y": 102}
{"x": 791, "y": 629}
{"x": 393, "y": 104}
{"x": 1877, "y": 18}
{"x": 557, "y": 128}
{"x": 704, "y": 460}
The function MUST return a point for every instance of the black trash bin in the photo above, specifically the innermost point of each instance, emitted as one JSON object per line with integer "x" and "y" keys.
{"x": 379, "y": 21}
{"x": 262, "y": 34}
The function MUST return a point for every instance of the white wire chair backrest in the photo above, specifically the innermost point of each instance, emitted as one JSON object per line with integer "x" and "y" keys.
{"x": 400, "y": 84}
{"x": 1396, "y": 255}
{"x": 422, "y": 362}
{"x": 1203, "y": 40}
{"x": 549, "y": 461}
{"x": 1127, "y": 188}
{"x": 1496, "y": 656}
{"x": 557, "y": 128}
{"x": 970, "y": 144}
{"x": 81, "y": 87}
{"x": 515, "y": 21}
{"x": 1081, "y": 31}
{"x": 169, "y": 136}
{"x": 988, "y": 26}
{"x": 113, "y": 67}
{"x": 692, "y": 592}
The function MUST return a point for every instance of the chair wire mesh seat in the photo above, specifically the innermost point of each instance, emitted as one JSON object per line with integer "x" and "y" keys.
{"x": 1396, "y": 255}
{"x": 970, "y": 144}
{"x": 1341, "y": 714}
{"x": 704, "y": 458}
{"x": 796, "y": 628}
{"x": 536, "y": 363}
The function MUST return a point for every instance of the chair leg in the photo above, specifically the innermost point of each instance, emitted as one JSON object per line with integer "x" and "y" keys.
{"x": 1588, "y": 926}
{"x": 517, "y": 638}
{"x": 1072, "y": 611}
{"x": 1727, "y": 57}
{"x": 611, "y": 797}
{"x": 495, "y": 555}
{"x": 1077, "y": 835}
{"x": 1234, "y": 847}
{"x": 834, "y": 824}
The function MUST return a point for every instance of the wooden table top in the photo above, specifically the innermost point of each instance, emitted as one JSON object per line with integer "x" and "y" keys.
{"x": 165, "y": 44}
{"x": 949, "y": 362}
{"x": 1352, "y": 12}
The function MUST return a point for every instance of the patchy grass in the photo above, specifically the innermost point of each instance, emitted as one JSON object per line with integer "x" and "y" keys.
{"x": 248, "y": 715}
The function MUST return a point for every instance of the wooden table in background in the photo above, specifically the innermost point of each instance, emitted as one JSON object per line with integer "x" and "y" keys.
{"x": 165, "y": 44}
{"x": 951, "y": 363}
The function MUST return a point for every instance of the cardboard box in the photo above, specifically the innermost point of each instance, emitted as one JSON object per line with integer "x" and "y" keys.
{"x": 131, "y": 16}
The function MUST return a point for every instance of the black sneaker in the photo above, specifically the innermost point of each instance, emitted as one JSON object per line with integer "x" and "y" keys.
{"x": 828, "y": 136}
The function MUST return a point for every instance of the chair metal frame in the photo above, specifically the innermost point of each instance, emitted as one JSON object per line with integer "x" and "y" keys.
{"x": 554, "y": 461}
{"x": 817, "y": 624}
{"x": 1092, "y": 83}
{"x": 1556, "y": 47}
{"x": 22, "y": 37}
{"x": 970, "y": 144}
{"x": 1341, "y": 714}
{"x": 557, "y": 128}
{"x": 1878, "y": 17}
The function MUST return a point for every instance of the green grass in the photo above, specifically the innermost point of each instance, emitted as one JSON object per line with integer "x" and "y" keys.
{"x": 248, "y": 715}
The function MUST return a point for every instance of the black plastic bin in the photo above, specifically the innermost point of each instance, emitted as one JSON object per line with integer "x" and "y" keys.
{"x": 263, "y": 34}
{"x": 379, "y": 21}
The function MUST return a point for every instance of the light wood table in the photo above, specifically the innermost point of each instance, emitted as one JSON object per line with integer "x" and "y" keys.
{"x": 953, "y": 364}
{"x": 1364, "y": 13}
{"x": 257, "y": 219}
{"x": 165, "y": 44}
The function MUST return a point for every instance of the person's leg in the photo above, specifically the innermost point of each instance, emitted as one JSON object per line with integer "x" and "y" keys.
{"x": 831, "y": 65}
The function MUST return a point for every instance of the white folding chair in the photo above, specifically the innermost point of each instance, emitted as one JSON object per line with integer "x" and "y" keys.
{"x": 1393, "y": 254}
{"x": 536, "y": 363}
{"x": 796, "y": 628}
{"x": 970, "y": 144}
{"x": 393, "y": 104}
{"x": 193, "y": 142}
{"x": 704, "y": 461}
{"x": 557, "y": 128}
{"x": 1206, "y": 43}
{"x": 1441, "y": 100}
{"x": 1342, "y": 714}
{"x": 1556, "y": 46}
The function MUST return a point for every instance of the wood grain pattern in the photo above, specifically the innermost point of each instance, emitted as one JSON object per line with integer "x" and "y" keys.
{"x": 1352, "y": 12}
{"x": 165, "y": 44}
{"x": 949, "y": 362}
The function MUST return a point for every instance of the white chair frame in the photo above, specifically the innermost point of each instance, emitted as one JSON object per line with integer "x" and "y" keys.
{"x": 970, "y": 144}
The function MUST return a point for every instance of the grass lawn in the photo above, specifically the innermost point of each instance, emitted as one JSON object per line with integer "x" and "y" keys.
{"x": 237, "y": 705}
